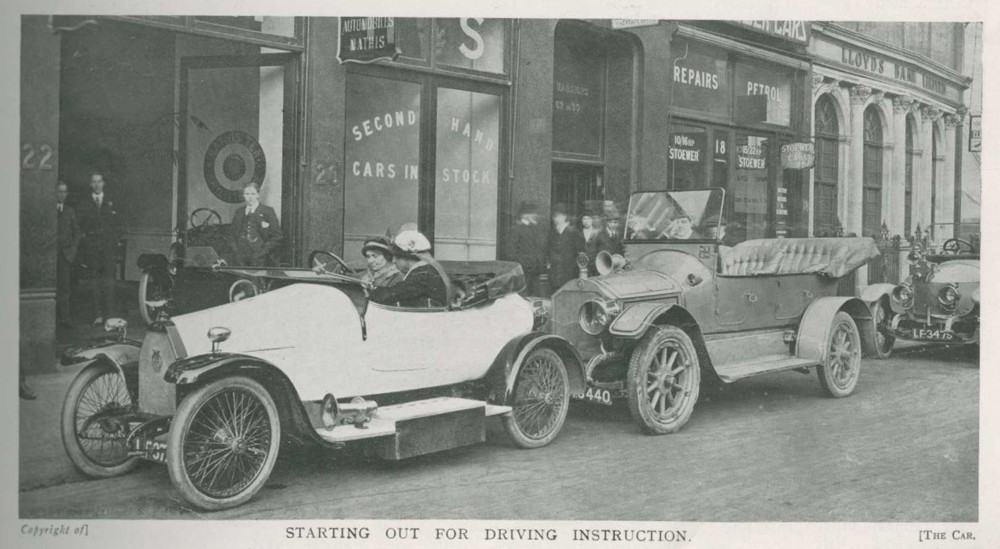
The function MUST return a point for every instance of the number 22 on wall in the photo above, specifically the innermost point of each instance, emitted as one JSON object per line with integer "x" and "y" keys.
{"x": 36, "y": 157}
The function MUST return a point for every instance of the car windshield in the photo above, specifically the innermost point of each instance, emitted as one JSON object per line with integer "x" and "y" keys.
{"x": 675, "y": 215}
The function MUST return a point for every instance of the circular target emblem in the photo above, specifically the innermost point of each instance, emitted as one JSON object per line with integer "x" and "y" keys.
{"x": 233, "y": 160}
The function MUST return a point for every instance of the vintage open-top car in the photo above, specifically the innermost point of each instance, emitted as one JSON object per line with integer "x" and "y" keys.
{"x": 680, "y": 301}
{"x": 937, "y": 302}
{"x": 214, "y": 394}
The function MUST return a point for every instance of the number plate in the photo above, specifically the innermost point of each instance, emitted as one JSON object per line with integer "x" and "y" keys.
{"x": 152, "y": 450}
{"x": 593, "y": 394}
{"x": 932, "y": 335}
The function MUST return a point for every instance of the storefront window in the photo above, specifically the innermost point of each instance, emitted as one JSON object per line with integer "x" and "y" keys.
{"x": 470, "y": 43}
{"x": 826, "y": 171}
{"x": 412, "y": 37}
{"x": 686, "y": 157}
{"x": 279, "y": 26}
{"x": 701, "y": 78}
{"x": 763, "y": 94}
{"x": 467, "y": 165}
{"x": 382, "y": 158}
{"x": 577, "y": 95}
{"x": 749, "y": 189}
{"x": 871, "y": 210}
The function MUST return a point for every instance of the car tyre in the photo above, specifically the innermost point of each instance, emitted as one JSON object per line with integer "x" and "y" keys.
{"x": 150, "y": 289}
{"x": 842, "y": 358}
{"x": 664, "y": 377}
{"x": 883, "y": 343}
{"x": 99, "y": 387}
{"x": 539, "y": 400}
{"x": 223, "y": 443}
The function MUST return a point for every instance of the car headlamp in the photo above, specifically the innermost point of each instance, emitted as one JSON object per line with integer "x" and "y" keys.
{"x": 949, "y": 296}
{"x": 596, "y": 314}
{"x": 903, "y": 294}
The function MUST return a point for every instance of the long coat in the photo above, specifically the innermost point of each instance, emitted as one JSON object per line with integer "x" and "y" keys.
{"x": 256, "y": 238}
{"x": 102, "y": 229}
{"x": 610, "y": 244}
{"x": 563, "y": 250}
{"x": 527, "y": 247}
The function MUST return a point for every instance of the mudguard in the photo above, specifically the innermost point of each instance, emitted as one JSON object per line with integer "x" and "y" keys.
{"x": 814, "y": 330}
{"x": 201, "y": 369}
{"x": 123, "y": 354}
{"x": 503, "y": 372}
{"x": 873, "y": 293}
{"x": 634, "y": 320}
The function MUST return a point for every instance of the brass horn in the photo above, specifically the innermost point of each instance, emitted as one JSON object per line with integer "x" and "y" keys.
{"x": 607, "y": 263}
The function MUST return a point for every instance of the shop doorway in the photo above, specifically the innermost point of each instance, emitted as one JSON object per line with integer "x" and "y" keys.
{"x": 575, "y": 186}
{"x": 236, "y": 127}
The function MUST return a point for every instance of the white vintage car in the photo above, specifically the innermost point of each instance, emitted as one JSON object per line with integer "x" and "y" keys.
{"x": 215, "y": 394}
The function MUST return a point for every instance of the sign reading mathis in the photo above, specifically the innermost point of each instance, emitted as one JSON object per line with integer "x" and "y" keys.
{"x": 367, "y": 39}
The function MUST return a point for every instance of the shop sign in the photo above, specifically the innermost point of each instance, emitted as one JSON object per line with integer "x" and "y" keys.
{"x": 631, "y": 23}
{"x": 686, "y": 147}
{"x": 577, "y": 101}
{"x": 794, "y": 31}
{"x": 975, "y": 133}
{"x": 700, "y": 78}
{"x": 750, "y": 157}
{"x": 367, "y": 39}
{"x": 873, "y": 63}
{"x": 798, "y": 156}
{"x": 770, "y": 85}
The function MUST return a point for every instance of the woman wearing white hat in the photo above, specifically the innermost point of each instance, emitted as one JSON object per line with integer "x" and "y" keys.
{"x": 421, "y": 286}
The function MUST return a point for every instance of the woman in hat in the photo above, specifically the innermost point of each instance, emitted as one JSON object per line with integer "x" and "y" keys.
{"x": 381, "y": 273}
{"x": 421, "y": 286}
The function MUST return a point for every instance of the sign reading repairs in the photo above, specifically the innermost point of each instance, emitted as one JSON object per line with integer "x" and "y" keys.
{"x": 367, "y": 39}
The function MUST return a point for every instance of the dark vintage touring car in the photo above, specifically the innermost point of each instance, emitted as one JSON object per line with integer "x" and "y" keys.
{"x": 214, "y": 394}
{"x": 680, "y": 303}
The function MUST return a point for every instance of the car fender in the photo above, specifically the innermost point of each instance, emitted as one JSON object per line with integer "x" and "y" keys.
{"x": 123, "y": 356}
{"x": 503, "y": 372}
{"x": 814, "y": 329}
{"x": 202, "y": 369}
{"x": 873, "y": 293}
{"x": 633, "y": 322}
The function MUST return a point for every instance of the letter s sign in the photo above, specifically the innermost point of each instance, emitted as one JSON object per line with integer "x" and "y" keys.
{"x": 473, "y": 34}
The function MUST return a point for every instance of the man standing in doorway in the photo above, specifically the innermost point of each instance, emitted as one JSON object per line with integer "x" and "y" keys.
{"x": 102, "y": 229}
{"x": 67, "y": 242}
{"x": 565, "y": 245}
{"x": 527, "y": 247}
{"x": 256, "y": 231}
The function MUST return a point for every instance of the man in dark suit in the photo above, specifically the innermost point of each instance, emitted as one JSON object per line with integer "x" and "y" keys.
{"x": 102, "y": 229}
{"x": 256, "y": 232}
{"x": 527, "y": 247}
{"x": 610, "y": 238}
{"x": 421, "y": 286}
{"x": 565, "y": 245}
{"x": 67, "y": 242}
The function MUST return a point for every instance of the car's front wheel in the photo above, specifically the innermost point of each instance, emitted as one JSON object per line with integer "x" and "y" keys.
{"x": 881, "y": 318}
{"x": 92, "y": 431}
{"x": 540, "y": 400}
{"x": 664, "y": 377}
{"x": 842, "y": 364}
{"x": 223, "y": 443}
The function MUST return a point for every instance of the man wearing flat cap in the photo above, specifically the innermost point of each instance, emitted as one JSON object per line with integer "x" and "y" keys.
{"x": 421, "y": 286}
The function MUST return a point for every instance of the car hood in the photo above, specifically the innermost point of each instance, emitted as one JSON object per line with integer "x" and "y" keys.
{"x": 628, "y": 284}
{"x": 959, "y": 271}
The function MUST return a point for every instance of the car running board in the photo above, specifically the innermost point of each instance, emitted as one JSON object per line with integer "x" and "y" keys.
{"x": 422, "y": 426}
{"x": 761, "y": 365}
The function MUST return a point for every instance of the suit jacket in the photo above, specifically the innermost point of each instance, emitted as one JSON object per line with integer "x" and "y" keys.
{"x": 102, "y": 229}
{"x": 527, "y": 247}
{"x": 610, "y": 244}
{"x": 421, "y": 287}
{"x": 263, "y": 226}
{"x": 562, "y": 252}
{"x": 68, "y": 233}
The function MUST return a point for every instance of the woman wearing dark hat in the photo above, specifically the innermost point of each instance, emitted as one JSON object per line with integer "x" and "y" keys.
{"x": 421, "y": 286}
{"x": 381, "y": 273}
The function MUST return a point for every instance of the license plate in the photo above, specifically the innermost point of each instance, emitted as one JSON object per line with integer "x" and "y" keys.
{"x": 592, "y": 394}
{"x": 933, "y": 335}
{"x": 152, "y": 450}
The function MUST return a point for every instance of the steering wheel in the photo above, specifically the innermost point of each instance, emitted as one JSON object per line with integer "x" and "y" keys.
{"x": 957, "y": 246}
{"x": 208, "y": 217}
{"x": 317, "y": 263}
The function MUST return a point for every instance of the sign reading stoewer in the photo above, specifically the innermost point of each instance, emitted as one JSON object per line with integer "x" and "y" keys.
{"x": 367, "y": 39}
{"x": 798, "y": 156}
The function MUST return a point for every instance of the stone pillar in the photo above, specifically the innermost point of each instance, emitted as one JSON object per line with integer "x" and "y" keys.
{"x": 855, "y": 195}
{"x": 922, "y": 195}
{"x": 946, "y": 198}
{"x": 897, "y": 182}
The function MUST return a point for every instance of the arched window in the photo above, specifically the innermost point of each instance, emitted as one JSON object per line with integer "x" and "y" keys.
{"x": 827, "y": 162}
{"x": 911, "y": 131}
{"x": 871, "y": 203}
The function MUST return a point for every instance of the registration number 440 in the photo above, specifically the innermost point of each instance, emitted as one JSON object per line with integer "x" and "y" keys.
{"x": 594, "y": 394}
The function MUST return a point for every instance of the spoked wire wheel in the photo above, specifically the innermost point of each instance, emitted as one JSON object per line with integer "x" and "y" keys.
{"x": 842, "y": 365}
{"x": 93, "y": 430}
{"x": 880, "y": 318}
{"x": 664, "y": 378}
{"x": 224, "y": 443}
{"x": 540, "y": 400}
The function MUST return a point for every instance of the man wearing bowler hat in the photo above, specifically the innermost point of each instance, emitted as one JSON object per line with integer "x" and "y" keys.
{"x": 565, "y": 245}
{"x": 421, "y": 286}
{"x": 527, "y": 246}
{"x": 610, "y": 238}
